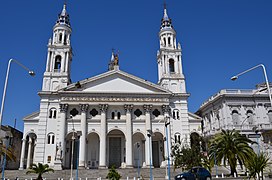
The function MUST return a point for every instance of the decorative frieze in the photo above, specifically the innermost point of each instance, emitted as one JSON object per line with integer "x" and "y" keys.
{"x": 84, "y": 107}
{"x": 63, "y": 107}
{"x": 147, "y": 108}
{"x": 128, "y": 107}
{"x": 103, "y": 107}
{"x": 114, "y": 99}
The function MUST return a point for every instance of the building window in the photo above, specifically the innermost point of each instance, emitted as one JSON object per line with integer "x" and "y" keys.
{"x": 53, "y": 113}
{"x": 74, "y": 112}
{"x": 48, "y": 159}
{"x": 171, "y": 65}
{"x": 50, "y": 138}
{"x": 138, "y": 113}
{"x": 169, "y": 41}
{"x": 177, "y": 138}
{"x": 60, "y": 37}
{"x": 93, "y": 112}
{"x": 175, "y": 114}
{"x": 112, "y": 115}
{"x": 156, "y": 112}
{"x": 270, "y": 116}
{"x": 57, "y": 62}
{"x": 249, "y": 114}
{"x": 118, "y": 115}
{"x": 235, "y": 117}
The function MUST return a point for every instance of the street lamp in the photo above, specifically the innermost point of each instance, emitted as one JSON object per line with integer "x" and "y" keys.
{"x": 167, "y": 122}
{"x": 137, "y": 144}
{"x": 149, "y": 134}
{"x": 265, "y": 76}
{"x": 31, "y": 73}
{"x": 256, "y": 130}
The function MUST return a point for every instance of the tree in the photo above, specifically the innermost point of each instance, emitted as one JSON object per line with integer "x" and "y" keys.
{"x": 39, "y": 169}
{"x": 8, "y": 151}
{"x": 256, "y": 164}
{"x": 113, "y": 174}
{"x": 186, "y": 157}
{"x": 231, "y": 147}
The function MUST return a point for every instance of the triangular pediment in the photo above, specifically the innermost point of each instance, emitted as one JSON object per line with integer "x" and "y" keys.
{"x": 116, "y": 81}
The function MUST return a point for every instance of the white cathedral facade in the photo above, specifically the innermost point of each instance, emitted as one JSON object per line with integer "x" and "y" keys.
{"x": 113, "y": 118}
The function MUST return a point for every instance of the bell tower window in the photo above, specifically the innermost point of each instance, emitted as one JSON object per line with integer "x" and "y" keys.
{"x": 65, "y": 39}
{"x": 60, "y": 37}
{"x": 57, "y": 63}
{"x": 171, "y": 65}
{"x": 164, "y": 41}
{"x": 169, "y": 41}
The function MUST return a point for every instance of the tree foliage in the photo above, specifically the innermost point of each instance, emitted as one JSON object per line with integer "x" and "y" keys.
{"x": 113, "y": 174}
{"x": 256, "y": 164}
{"x": 39, "y": 169}
{"x": 9, "y": 151}
{"x": 231, "y": 147}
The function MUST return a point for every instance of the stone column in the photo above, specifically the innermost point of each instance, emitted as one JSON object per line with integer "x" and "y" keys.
{"x": 128, "y": 108}
{"x": 29, "y": 152}
{"x": 22, "y": 155}
{"x": 103, "y": 131}
{"x": 148, "y": 142}
{"x": 82, "y": 148}
{"x": 62, "y": 130}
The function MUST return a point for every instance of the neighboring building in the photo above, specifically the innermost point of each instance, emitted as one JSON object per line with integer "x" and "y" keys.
{"x": 13, "y": 139}
{"x": 248, "y": 111}
{"x": 111, "y": 112}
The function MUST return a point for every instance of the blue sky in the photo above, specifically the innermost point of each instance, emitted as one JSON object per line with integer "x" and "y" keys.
{"x": 220, "y": 38}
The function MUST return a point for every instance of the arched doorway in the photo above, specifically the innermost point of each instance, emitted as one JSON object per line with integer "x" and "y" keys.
{"x": 117, "y": 149}
{"x": 29, "y": 150}
{"x": 138, "y": 141}
{"x": 92, "y": 156}
{"x": 71, "y": 153}
{"x": 157, "y": 149}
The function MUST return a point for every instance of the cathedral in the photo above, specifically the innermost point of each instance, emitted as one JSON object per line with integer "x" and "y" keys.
{"x": 114, "y": 118}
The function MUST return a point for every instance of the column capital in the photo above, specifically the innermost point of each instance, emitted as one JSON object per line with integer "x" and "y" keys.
{"x": 84, "y": 107}
{"x": 63, "y": 107}
{"x": 165, "y": 109}
{"x": 147, "y": 108}
{"x": 103, "y": 107}
{"x": 128, "y": 107}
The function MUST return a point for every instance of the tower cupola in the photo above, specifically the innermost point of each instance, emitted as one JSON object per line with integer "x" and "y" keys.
{"x": 166, "y": 22}
{"x": 63, "y": 17}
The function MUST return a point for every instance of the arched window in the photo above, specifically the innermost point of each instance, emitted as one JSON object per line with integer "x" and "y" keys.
{"x": 60, "y": 37}
{"x": 249, "y": 114}
{"x": 53, "y": 113}
{"x": 235, "y": 117}
{"x": 50, "y": 138}
{"x": 171, "y": 65}
{"x": 57, "y": 62}
{"x": 164, "y": 40}
{"x": 175, "y": 114}
{"x": 118, "y": 115}
{"x": 177, "y": 138}
{"x": 169, "y": 41}
{"x": 270, "y": 116}
{"x": 65, "y": 39}
{"x": 112, "y": 115}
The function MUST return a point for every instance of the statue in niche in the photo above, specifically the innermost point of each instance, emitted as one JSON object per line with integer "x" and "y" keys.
{"x": 59, "y": 151}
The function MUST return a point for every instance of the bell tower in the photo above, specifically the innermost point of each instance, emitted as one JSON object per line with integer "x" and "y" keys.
{"x": 59, "y": 56}
{"x": 169, "y": 58}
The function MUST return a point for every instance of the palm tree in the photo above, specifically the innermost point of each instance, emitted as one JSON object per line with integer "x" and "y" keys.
{"x": 8, "y": 151}
{"x": 231, "y": 147}
{"x": 256, "y": 164}
{"x": 39, "y": 169}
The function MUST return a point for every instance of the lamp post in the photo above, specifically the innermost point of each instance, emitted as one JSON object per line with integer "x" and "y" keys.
{"x": 138, "y": 163}
{"x": 79, "y": 133}
{"x": 256, "y": 130}
{"x": 167, "y": 122}
{"x": 72, "y": 154}
{"x": 31, "y": 73}
{"x": 149, "y": 134}
{"x": 265, "y": 76}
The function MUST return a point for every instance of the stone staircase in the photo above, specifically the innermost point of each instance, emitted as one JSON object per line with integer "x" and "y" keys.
{"x": 92, "y": 174}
